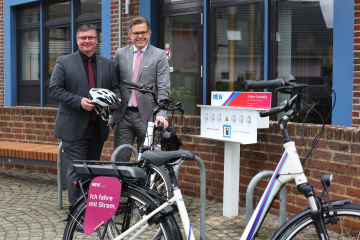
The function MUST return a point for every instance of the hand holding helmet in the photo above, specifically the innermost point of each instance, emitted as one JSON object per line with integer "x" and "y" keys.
{"x": 102, "y": 99}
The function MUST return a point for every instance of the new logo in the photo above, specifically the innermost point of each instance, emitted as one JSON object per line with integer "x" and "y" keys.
{"x": 217, "y": 96}
{"x": 95, "y": 184}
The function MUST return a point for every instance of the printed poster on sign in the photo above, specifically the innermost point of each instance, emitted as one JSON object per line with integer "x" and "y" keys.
{"x": 227, "y": 131}
{"x": 259, "y": 100}
{"x": 168, "y": 54}
{"x": 102, "y": 202}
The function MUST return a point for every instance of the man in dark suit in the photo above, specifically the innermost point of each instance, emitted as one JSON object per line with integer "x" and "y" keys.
{"x": 140, "y": 63}
{"x": 82, "y": 132}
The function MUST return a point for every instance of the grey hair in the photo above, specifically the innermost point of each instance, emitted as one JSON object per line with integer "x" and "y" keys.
{"x": 85, "y": 28}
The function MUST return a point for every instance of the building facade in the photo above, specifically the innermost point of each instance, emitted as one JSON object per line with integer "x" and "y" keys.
{"x": 212, "y": 45}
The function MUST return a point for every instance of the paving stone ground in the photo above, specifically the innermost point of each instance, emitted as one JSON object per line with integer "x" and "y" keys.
{"x": 29, "y": 210}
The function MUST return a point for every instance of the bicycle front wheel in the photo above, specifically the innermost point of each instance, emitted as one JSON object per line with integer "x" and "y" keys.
{"x": 347, "y": 226}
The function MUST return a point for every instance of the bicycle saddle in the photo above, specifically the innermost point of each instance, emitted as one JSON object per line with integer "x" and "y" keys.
{"x": 159, "y": 158}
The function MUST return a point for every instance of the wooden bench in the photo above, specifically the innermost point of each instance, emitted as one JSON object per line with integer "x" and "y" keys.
{"x": 33, "y": 154}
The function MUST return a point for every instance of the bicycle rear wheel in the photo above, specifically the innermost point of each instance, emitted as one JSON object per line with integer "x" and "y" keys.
{"x": 166, "y": 228}
{"x": 347, "y": 226}
{"x": 128, "y": 214}
{"x": 158, "y": 178}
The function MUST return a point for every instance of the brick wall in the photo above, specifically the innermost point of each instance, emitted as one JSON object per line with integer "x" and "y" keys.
{"x": 125, "y": 19}
{"x": 337, "y": 153}
{"x": 2, "y": 68}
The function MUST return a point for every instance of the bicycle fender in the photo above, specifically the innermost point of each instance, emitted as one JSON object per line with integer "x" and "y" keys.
{"x": 71, "y": 211}
{"x": 303, "y": 213}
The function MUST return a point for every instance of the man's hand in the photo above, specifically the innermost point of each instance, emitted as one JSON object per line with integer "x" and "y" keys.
{"x": 115, "y": 107}
{"x": 163, "y": 121}
{"x": 111, "y": 123}
{"x": 86, "y": 104}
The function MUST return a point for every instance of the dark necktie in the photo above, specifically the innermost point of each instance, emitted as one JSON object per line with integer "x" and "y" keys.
{"x": 93, "y": 114}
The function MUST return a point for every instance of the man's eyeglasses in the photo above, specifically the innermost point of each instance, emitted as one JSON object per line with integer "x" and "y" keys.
{"x": 136, "y": 34}
{"x": 84, "y": 38}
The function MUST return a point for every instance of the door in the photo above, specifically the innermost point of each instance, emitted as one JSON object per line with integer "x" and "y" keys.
{"x": 181, "y": 36}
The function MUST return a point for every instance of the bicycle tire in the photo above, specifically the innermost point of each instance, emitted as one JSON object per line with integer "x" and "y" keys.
{"x": 346, "y": 227}
{"x": 161, "y": 180}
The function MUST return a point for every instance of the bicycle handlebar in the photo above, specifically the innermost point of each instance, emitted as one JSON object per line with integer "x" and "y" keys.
{"x": 132, "y": 84}
{"x": 274, "y": 110}
{"x": 279, "y": 82}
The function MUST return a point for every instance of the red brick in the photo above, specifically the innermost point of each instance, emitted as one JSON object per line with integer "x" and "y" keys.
{"x": 336, "y": 167}
{"x": 8, "y": 165}
{"x": 321, "y": 154}
{"x": 336, "y": 146}
{"x": 353, "y": 192}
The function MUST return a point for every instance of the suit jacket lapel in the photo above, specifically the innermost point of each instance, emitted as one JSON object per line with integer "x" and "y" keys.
{"x": 99, "y": 68}
{"x": 146, "y": 57}
{"x": 80, "y": 66}
{"x": 130, "y": 56}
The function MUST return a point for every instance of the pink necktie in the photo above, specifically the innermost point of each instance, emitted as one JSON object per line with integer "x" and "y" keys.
{"x": 136, "y": 72}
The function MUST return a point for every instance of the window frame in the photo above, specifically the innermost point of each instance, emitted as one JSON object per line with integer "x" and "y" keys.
{"x": 44, "y": 24}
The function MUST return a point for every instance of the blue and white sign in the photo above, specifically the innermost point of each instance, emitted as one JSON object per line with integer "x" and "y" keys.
{"x": 227, "y": 131}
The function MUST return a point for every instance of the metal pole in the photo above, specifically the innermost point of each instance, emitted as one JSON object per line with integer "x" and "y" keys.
{"x": 59, "y": 173}
{"x": 202, "y": 194}
{"x": 283, "y": 201}
{"x": 250, "y": 194}
{"x": 121, "y": 147}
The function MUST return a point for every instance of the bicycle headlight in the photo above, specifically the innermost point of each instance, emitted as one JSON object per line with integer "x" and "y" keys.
{"x": 327, "y": 178}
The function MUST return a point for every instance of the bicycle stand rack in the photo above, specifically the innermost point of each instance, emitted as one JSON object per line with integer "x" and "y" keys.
{"x": 250, "y": 194}
{"x": 177, "y": 168}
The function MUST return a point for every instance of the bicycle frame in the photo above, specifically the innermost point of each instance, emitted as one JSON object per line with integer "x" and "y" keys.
{"x": 289, "y": 168}
{"x": 178, "y": 200}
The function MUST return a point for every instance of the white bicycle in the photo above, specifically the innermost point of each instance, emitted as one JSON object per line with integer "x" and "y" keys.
{"x": 153, "y": 215}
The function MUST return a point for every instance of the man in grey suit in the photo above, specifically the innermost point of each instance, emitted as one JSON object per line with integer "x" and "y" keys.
{"x": 82, "y": 132}
{"x": 140, "y": 63}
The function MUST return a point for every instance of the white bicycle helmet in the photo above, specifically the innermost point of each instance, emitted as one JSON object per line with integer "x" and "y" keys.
{"x": 102, "y": 99}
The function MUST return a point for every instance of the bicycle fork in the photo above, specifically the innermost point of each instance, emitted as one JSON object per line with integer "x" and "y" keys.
{"x": 315, "y": 214}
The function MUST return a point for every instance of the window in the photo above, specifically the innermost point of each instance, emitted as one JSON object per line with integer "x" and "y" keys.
{"x": 236, "y": 45}
{"x": 303, "y": 44}
{"x": 28, "y": 55}
{"x": 57, "y": 41}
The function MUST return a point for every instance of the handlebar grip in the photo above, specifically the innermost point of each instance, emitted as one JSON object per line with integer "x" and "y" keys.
{"x": 279, "y": 82}
{"x": 160, "y": 126}
{"x": 132, "y": 84}
{"x": 271, "y": 111}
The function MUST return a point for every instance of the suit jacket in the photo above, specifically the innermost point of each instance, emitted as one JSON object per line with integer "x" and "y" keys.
{"x": 69, "y": 84}
{"x": 154, "y": 70}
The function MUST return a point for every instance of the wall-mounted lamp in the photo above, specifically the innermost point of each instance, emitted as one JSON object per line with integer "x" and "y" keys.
{"x": 128, "y": 8}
